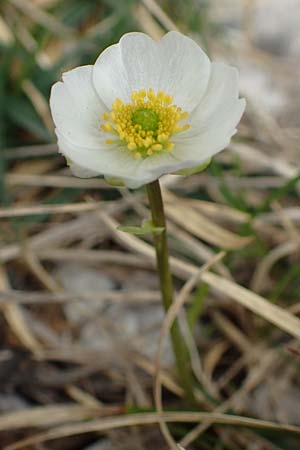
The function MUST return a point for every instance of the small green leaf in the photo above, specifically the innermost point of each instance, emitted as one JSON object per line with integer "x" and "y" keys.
{"x": 147, "y": 227}
{"x": 132, "y": 230}
{"x": 113, "y": 181}
{"x": 193, "y": 170}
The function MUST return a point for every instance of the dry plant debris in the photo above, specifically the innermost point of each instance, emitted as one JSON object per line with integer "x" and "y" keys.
{"x": 82, "y": 327}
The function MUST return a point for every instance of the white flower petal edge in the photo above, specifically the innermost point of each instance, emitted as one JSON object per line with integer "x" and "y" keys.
{"x": 76, "y": 108}
{"x": 175, "y": 65}
{"x": 220, "y": 98}
{"x": 117, "y": 163}
{"x": 214, "y": 121}
{"x": 79, "y": 101}
{"x": 110, "y": 161}
{"x": 80, "y": 171}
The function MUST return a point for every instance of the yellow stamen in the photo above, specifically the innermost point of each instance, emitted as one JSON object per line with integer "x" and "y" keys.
{"x": 131, "y": 146}
{"x": 107, "y": 127}
{"x": 157, "y": 147}
{"x": 146, "y": 124}
{"x": 170, "y": 146}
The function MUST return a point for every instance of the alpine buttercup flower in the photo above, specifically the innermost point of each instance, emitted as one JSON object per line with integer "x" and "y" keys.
{"x": 144, "y": 109}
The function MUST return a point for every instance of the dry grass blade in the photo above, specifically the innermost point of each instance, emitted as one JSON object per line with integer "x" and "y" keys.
{"x": 255, "y": 303}
{"x": 49, "y": 209}
{"x": 39, "y": 102}
{"x": 56, "y": 236}
{"x": 204, "y": 228}
{"x": 24, "y": 179}
{"x": 47, "y": 416}
{"x": 15, "y": 318}
{"x": 29, "y": 152}
{"x": 264, "y": 267}
{"x": 293, "y": 214}
{"x": 43, "y": 18}
{"x": 197, "y": 249}
{"x": 165, "y": 329}
{"x": 135, "y": 297}
{"x": 37, "y": 269}
{"x": 148, "y": 24}
{"x": 110, "y": 423}
{"x": 6, "y": 36}
{"x": 261, "y": 160}
{"x": 216, "y": 211}
{"x": 94, "y": 256}
{"x": 167, "y": 380}
{"x": 160, "y": 15}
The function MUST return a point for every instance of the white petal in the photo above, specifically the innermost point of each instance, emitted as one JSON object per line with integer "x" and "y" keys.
{"x": 80, "y": 171}
{"x": 110, "y": 77}
{"x": 212, "y": 140}
{"x": 218, "y": 101}
{"x": 119, "y": 163}
{"x": 163, "y": 163}
{"x": 215, "y": 119}
{"x": 175, "y": 65}
{"x": 109, "y": 160}
{"x": 76, "y": 108}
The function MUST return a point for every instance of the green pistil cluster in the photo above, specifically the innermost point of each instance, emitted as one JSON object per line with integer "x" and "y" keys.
{"x": 146, "y": 118}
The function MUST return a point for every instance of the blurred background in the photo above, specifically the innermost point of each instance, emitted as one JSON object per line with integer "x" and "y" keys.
{"x": 79, "y": 300}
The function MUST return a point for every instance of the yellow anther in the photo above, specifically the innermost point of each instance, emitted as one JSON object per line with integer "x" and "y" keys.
{"x": 157, "y": 147}
{"x": 131, "y": 146}
{"x": 147, "y": 142}
{"x": 177, "y": 129}
{"x": 104, "y": 116}
{"x": 137, "y": 155}
{"x": 162, "y": 138}
{"x": 184, "y": 115}
{"x": 109, "y": 141}
{"x": 150, "y": 94}
{"x": 106, "y": 127}
{"x": 117, "y": 103}
{"x": 170, "y": 146}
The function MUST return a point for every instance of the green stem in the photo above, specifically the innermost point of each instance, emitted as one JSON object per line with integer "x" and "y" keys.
{"x": 166, "y": 286}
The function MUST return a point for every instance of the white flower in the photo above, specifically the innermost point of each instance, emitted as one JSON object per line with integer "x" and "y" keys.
{"x": 144, "y": 109}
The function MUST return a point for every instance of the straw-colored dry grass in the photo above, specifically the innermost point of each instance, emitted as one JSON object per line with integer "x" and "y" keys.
{"x": 85, "y": 361}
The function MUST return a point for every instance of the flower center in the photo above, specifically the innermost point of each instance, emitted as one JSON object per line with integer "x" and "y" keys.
{"x": 146, "y": 118}
{"x": 145, "y": 126}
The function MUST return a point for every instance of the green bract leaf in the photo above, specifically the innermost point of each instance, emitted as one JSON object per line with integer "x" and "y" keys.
{"x": 147, "y": 227}
{"x": 115, "y": 182}
{"x": 193, "y": 170}
{"x": 132, "y": 230}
